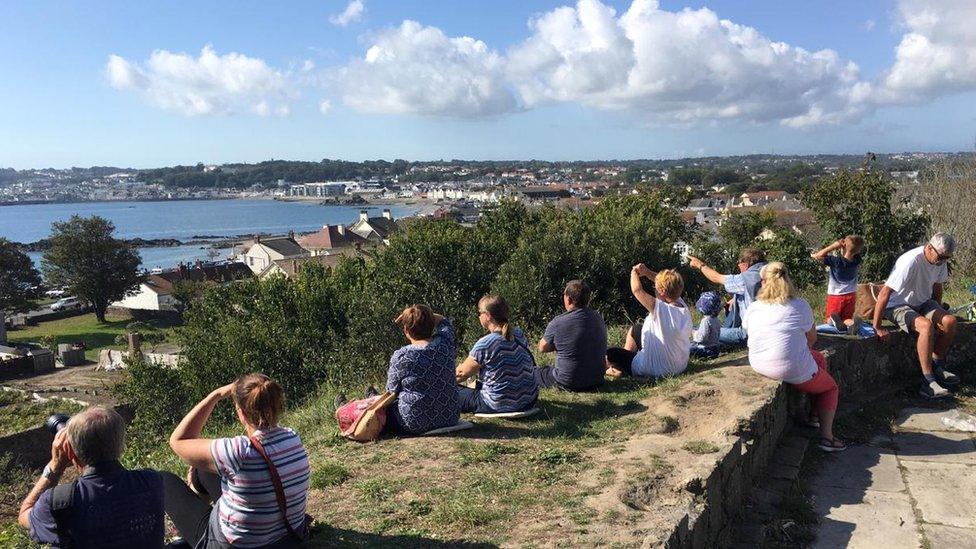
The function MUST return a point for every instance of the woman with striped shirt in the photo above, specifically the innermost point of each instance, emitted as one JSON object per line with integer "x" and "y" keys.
{"x": 229, "y": 499}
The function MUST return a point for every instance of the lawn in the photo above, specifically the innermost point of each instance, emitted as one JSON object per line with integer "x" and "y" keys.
{"x": 83, "y": 328}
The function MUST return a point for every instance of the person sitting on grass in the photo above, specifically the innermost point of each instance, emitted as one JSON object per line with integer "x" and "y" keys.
{"x": 422, "y": 374}
{"x": 661, "y": 346}
{"x": 229, "y": 498}
{"x": 579, "y": 339}
{"x": 781, "y": 337}
{"x": 743, "y": 286}
{"x": 503, "y": 362}
{"x": 108, "y": 505}
{"x": 842, "y": 281}
{"x": 912, "y": 299}
{"x": 705, "y": 340}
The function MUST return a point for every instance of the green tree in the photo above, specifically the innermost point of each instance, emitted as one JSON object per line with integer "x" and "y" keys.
{"x": 860, "y": 202}
{"x": 740, "y": 229}
{"x": 19, "y": 280}
{"x": 786, "y": 246}
{"x": 86, "y": 259}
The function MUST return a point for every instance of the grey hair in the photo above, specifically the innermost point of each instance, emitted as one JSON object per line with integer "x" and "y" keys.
{"x": 944, "y": 243}
{"x": 97, "y": 434}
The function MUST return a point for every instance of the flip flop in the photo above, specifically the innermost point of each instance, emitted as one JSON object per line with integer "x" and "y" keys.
{"x": 831, "y": 445}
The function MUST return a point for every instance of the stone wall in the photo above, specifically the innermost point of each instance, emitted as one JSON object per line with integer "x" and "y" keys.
{"x": 860, "y": 366}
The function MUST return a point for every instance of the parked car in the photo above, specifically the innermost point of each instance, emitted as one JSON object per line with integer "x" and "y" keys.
{"x": 67, "y": 303}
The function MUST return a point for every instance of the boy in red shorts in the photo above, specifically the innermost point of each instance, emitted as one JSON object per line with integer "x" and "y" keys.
{"x": 842, "y": 283}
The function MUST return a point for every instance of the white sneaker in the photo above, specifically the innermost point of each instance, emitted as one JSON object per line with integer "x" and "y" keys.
{"x": 932, "y": 389}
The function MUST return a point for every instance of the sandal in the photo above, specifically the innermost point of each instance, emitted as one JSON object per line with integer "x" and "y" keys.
{"x": 831, "y": 445}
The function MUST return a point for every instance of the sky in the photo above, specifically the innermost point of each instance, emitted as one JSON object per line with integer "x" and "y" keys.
{"x": 153, "y": 83}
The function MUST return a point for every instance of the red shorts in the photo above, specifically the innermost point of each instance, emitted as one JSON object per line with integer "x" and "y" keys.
{"x": 842, "y": 305}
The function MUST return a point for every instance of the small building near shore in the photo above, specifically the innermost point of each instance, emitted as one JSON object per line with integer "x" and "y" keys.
{"x": 264, "y": 251}
{"x": 155, "y": 293}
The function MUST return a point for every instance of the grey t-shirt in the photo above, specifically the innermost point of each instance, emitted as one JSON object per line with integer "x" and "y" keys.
{"x": 580, "y": 339}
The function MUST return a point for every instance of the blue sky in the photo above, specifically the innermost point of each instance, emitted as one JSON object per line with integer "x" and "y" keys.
{"x": 547, "y": 90}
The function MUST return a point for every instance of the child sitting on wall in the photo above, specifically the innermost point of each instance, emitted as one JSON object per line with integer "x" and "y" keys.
{"x": 842, "y": 282}
{"x": 705, "y": 342}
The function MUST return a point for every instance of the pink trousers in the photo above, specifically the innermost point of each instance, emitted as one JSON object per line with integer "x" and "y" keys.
{"x": 822, "y": 388}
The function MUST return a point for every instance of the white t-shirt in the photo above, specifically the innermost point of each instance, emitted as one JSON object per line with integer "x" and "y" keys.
{"x": 665, "y": 341}
{"x": 912, "y": 278}
{"x": 777, "y": 340}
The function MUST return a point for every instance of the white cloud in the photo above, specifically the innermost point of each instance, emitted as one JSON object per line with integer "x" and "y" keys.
{"x": 325, "y": 106}
{"x": 414, "y": 69}
{"x": 354, "y": 12}
{"x": 679, "y": 67}
{"x": 210, "y": 84}
{"x": 937, "y": 54}
{"x": 868, "y": 25}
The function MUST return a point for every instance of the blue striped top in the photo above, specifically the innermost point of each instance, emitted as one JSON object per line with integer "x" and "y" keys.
{"x": 506, "y": 374}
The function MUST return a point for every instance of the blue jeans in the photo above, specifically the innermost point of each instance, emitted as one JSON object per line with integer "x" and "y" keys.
{"x": 471, "y": 401}
{"x": 733, "y": 337}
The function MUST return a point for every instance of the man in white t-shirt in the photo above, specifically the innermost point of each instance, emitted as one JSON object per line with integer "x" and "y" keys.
{"x": 912, "y": 299}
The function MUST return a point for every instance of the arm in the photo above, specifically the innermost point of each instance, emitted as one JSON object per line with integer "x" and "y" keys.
{"x": 711, "y": 274}
{"x": 467, "y": 369}
{"x": 185, "y": 440}
{"x": 820, "y": 255}
{"x": 811, "y": 337}
{"x": 545, "y": 347}
{"x": 636, "y": 288}
{"x": 879, "y": 307}
{"x": 937, "y": 292}
{"x": 59, "y": 462}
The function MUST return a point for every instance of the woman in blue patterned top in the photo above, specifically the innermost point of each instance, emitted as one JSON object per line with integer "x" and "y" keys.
{"x": 503, "y": 363}
{"x": 422, "y": 374}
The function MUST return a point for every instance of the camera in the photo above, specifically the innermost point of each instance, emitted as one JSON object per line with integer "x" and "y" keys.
{"x": 56, "y": 422}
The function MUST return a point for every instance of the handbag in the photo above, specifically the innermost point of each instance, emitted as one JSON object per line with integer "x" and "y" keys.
{"x": 865, "y": 299}
{"x": 363, "y": 420}
{"x": 280, "y": 495}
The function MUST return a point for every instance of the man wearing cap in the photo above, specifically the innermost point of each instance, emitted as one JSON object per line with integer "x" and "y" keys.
{"x": 912, "y": 299}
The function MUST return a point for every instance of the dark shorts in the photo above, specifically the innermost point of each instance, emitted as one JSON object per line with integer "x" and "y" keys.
{"x": 621, "y": 358}
{"x": 905, "y": 315}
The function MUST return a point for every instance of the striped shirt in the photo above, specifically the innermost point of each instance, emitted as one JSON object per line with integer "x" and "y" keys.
{"x": 507, "y": 372}
{"x": 248, "y": 509}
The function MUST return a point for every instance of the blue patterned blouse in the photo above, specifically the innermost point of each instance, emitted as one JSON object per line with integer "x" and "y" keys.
{"x": 506, "y": 374}
{"x": 423, "y": 379}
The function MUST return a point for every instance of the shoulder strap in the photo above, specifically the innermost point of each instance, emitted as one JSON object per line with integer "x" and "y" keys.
{"x": 278, "y": 487}
{"x": 62, "y": 503}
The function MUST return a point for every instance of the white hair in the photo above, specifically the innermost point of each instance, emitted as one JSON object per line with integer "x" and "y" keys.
{"x": 944, "y": 243}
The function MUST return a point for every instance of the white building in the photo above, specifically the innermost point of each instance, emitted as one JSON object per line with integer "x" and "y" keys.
{"x": 318, "y": 190}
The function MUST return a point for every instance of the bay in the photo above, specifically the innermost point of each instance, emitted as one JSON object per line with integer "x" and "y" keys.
{"x": 185, "y": 219}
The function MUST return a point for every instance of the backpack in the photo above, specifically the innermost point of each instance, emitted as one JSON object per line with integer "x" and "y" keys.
{"x": 363, "y": 420}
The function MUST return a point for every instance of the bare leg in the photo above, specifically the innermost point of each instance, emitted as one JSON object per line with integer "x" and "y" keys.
{"x": 631, "y": 344}
{"x": 827, "y": 424}
{"x": 944, "y": 335}
{"x": 926, "y": 342}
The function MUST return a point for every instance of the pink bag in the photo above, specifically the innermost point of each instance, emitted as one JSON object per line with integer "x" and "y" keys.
{"x": 363, "y": 420}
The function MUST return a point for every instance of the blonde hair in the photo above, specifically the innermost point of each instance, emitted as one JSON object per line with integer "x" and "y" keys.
{"x": 670, "y": 283}
{"x": 855, "y": 242}
{"x": 497, "y": 309}
{"x": 776, "y": 284}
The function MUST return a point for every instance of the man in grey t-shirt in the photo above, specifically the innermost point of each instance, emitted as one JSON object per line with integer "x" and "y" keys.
{"x": 579, "y": 339}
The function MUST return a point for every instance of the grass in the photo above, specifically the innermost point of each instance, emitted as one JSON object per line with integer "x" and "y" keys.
{"x": 18, "y": 411}
{"x": 82, "y": 328}
{"x": 700, "y": 447}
